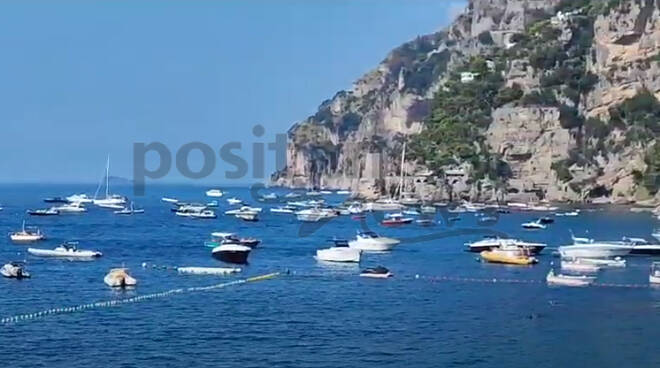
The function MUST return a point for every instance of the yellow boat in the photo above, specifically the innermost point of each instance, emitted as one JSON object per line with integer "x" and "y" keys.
{"x": 508, "y": 255}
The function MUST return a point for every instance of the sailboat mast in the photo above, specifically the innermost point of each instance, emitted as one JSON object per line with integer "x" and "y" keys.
{"x": 403, "y": 159}
{"x": 107, "y": 178}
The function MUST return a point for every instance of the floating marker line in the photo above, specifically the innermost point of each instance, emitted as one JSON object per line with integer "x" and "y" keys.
{"x": 136, "y": 299}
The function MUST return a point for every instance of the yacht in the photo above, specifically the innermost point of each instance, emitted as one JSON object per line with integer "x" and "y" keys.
{"x": 340, "y": 252}
{"x": 566, "y": 280}
{"x": 27, "y": 235}
{"x": 215, "y": 193}
{"x": 65, "y": 250}
{"x": 119, "y": 277}
{"x": 47, "y": 212}
{"x": 111, "y": 201}
{"x": 641, "y": 246}
{"x": 79, "y": 198}
{"x": 73, "y": 207}
{"x": 247, "y": 216}
{"x": 588, "y": 248}
{"x": 232, "y": 253}
{"x": 395, "y": 219}
{"x": 490, "y": 243}
{"x": 14, "y": 270}
{"x": 370, "y": 241}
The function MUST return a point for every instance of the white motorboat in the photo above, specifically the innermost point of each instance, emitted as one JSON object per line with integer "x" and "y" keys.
{"x": 654, "y": 276}
{"x": 66, "y": 250}
{"x": 14, "y": 270}
{"x": 341, "y": 252}
{"x": 396, "y": 219}
{"x": 313, "y": 193}
{"x": 411, "y": 212}
{"x": 234, "y": 201}
{"x": 169, "y": 200}
{"x": 409, "y": 200}
{"x": 119, "y": 277}
{"x": 314, "y": 214}
{"x": 577, "y": 265}
{"x": 567, "y": 280}
{"x": 370, "y": 241}
{"x": 285, "y": 209}
{"x": 218, "y": 271}
{"x": 232, "y": 253}
{"x": 79, "y": 198}
{"x": 601, "y": 262}
{"x": 73, "y": 207}
{"x": 27, "y": 235}
{"x": 269, "y": 196}
{"x": 292, "y": 195}
{"x": 378, "y": 272}
{"x": 457, "y": 209}
{"x": 569, "y": 213}
{"x": 473, "y": 207}
{"x": 533, "y": 225}
{"x": 588, "y": 248}
{"x": 215, "y": 193}
{"x": 244, "y": 209}
{"x": 325, "y": 192}
{"x": 542, "y": 208}
{"x": 491, "y": 243}
{"x": 343, "y": 192}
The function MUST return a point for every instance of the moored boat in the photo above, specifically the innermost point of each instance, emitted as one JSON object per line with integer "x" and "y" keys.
{"x": 395, "y": 219}
{"x": 232, "y": 253}
{"x": 341, "y": 252}
{"x": 219, "y": 238}
{"x": 27, "y": 235}
{"x": 490, "y": 243}
{"x": 577, "y": 265}
{"x": 533, "y": 225}
{"x": 370, "y": 241}
{"x": 119, "y": 277}
{"x": 65, "y": 250}
{"x": 567, "y": 280}
{"x": 654, "y": 276}
{"x": 378, "y": 272}
{"x": 44, "y": 212}
{"x": 214, "y": 193}
{"x": 73, "y": 207}
{"x": 56, "y": 200}
{"x": 508, "y": 255}
{"x": 14, "y": 270}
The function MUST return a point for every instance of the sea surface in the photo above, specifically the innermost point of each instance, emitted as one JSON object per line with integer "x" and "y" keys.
{"x": 317, "y": 315}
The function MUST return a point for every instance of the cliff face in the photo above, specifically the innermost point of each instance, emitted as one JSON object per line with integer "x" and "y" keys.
{"x": 568, "y": 78}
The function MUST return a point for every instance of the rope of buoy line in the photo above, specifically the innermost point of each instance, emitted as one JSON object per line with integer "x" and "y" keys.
{"x": 136, "y": 299}
{"x": 441, "y": 278}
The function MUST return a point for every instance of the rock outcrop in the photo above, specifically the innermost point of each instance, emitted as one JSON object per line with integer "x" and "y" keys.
{"x": 568, "y": 138}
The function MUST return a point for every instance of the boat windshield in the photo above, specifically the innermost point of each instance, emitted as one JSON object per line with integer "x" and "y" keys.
{"x": 368, "y": 234}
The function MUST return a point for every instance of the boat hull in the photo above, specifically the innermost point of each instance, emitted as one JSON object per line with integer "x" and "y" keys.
{"x": 231, "y": 256}
{"x": 371, "y": 245}
{"x": 591, "y": 251}
{"x": 335, "y": 254}
{"x": 495, "y": 257}
{"x": 646, "y": 250}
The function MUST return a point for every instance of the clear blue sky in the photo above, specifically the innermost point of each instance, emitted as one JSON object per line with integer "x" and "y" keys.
{"x": 83, "y": 79}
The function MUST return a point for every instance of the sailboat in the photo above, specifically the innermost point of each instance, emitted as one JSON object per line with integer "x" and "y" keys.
{"x": 112, "y": 201}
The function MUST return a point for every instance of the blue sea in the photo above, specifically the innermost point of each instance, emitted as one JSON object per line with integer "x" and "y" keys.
{"x": 315, "y": 315}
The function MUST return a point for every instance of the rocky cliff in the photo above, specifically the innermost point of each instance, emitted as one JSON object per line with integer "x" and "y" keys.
{"x": 516, "y": 99}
